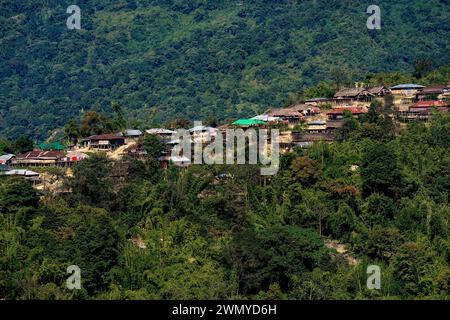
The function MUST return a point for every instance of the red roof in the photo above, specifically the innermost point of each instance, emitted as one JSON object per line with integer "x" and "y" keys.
{"x": 38, "y": 154}
{"x": 353, "y": 110}
{"x": 105, "y": 137}
{"x": 429, "y": 104}
{"x": 436, "y": 89}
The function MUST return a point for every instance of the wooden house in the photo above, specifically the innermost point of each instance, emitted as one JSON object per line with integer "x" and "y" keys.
{"x": 316, "y": 126}
{"x": 380, "y": 91}
{"x": 305, "y": 139}
{"x": 40, "y": 158}
{"x": 319, "y": 102}
{"x": 422, "y": 110}
{"x": 338, "y": 113}
{"x": 179, "y": 161}
{"x": 104, "y": 142}
{"x": 406, "y": 90}
{"x": 359, "y": 96}
{"x": 31, "y": 176}
{"x": 333, "y": 125}
{"x": 294, "y": 114}
{"x": 429, "y": 104}
{"x": 404, "y": 95}
{"x": 353, "y": 95}
{"x": 136, "y": 151}
{"x": 203, "y": 134}
{"x": 131, "y": 134}
{"x": 433, "y": 92}
{"x": 164, "y": 134}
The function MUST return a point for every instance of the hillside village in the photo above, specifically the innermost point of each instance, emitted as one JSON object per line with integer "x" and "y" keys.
{"x": 247, "y": 155}
{"x": 300, "y": 125}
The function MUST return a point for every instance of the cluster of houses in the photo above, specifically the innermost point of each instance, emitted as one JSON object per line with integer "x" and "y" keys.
{"x": 37, "y": 158}
{"x": 319, "y": 118}
{"x": 313, "y": 120}
{"x": 414, "y": 101}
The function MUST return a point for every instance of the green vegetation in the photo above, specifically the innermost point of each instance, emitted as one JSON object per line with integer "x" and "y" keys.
{"x": 200, "y": 234}
{"x": 222, "y": 232}
{"x": 166, "y": 59}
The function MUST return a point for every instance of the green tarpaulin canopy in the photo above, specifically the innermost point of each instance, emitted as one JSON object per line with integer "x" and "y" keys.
{"x": 249, "y": 122}
{"x": 58, "y": 146}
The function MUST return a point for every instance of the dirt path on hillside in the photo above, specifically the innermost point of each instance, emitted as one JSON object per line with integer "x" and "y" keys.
{"x": 340, "y": 248}
{"x": 115, "y": 155}
{"x": 119, "y": 152}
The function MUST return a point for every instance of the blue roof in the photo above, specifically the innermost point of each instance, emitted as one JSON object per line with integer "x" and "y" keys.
{"x": 408, "y": 86}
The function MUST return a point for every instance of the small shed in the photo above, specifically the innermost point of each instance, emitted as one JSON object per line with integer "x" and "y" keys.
{"x": 131, "y": 133}
{"x": 31, "y": 176}
{"x": 161, "y": 132}
{"x": 6, "y": 159}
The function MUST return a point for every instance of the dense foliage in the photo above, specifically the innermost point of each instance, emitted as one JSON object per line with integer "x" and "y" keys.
{"x": 162, "y": 59}
{"x": 200, "y": 234}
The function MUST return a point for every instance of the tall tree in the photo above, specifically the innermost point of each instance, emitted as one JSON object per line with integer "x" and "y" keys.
{"x": 72, "y": 131}
{"x": 120, "y": 120}
{"x": 268, "y": 256}
{"x": 91, "y": 124}
{"x": 91, "y": 182}
{"x": 380, "y": 171}
{"x": 22, "y": 144}
{"x": 153, "y": 146}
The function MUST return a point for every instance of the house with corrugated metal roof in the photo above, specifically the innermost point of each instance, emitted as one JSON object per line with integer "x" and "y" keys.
{"x": 359, "y": 96}
{"x": 104, "y": 142}
{"x": 405, "y": 95}
{"x": 164, "y": 133}
{"x": 433, "y": 92}
{"x": 31, "y": 176}
{"x": 353, "y": 94}
{"x": 408, "y": 89}
{"x": 6, "y": 159}
{"x": 131, "y": 134}
{"x": 422, "y": 110}
{"x": 39, "y": 158}
{"x": 294, "y": 114}
{"x": 380, "y": 91}
{"x": 338, "y": 113}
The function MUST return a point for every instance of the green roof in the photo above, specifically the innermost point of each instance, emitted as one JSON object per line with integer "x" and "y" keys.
{"x": 248, "y": 122}
{"x": 46, "y": 146}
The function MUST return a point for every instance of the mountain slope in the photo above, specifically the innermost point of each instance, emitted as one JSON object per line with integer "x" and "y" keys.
{"x": 195, "y": 58}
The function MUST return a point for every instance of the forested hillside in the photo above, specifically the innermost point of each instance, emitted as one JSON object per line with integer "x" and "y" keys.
{"x": 163, "y": 59}
{"x": 192, "y": 234}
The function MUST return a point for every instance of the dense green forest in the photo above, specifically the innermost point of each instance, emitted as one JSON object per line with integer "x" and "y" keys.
{"x": 163, "y": 59}
{"x": 381, "y": 190}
